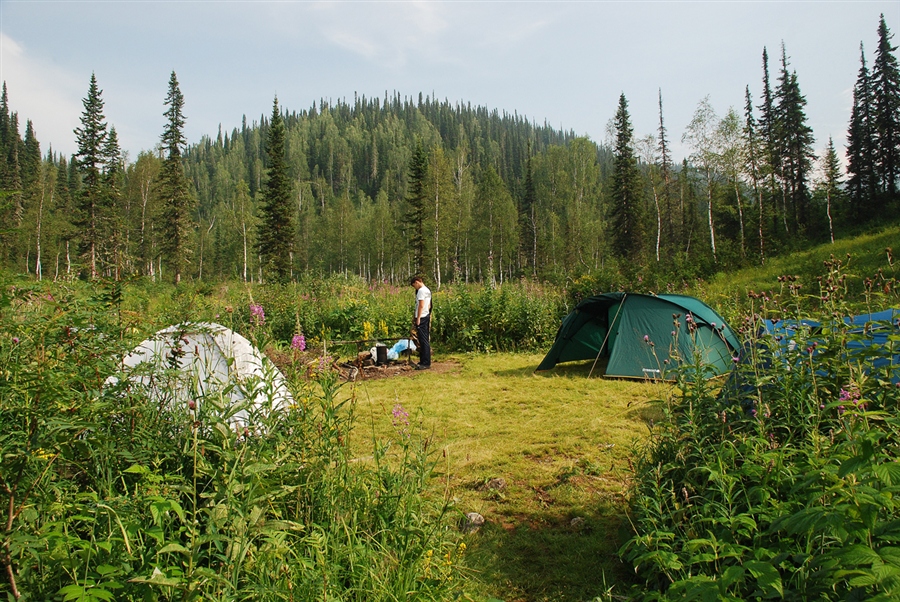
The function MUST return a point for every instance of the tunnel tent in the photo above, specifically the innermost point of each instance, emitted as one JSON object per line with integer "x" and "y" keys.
{"x": 193, "y": 360}
{"x": 644, "y": 336}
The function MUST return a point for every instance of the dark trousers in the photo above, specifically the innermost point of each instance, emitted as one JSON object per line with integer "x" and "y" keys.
{"x": 423, "y": 333}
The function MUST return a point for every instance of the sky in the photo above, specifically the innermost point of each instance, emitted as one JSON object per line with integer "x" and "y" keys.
{"x": 560, "y": 63}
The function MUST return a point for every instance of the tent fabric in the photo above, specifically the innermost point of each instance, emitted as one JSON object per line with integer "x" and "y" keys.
{"x": 621, "y": 326}
{"x": 189, "y": 361}
{"x": 873, "y": 338}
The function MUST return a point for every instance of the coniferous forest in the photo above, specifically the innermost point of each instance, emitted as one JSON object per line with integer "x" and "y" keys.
{"x": 386, "y": 187}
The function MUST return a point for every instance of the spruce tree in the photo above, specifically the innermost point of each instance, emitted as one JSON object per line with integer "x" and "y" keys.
{"x": 625, "y": 214}
{"x": 113, "y": 223}
{"x": 752, "y": 144}
{"x": 415, "y": 198}
{"x": 89, "y": 161}
{"x": 665, "y": 165}
{"x": 277, "y": 230}
{"x": 173, "y": 187}
{"x": 886, "y": 113}
{"x": 831, "y": 184}
{"x": 794, "y": 145}
{"x": 528, "y": 219}
{"x": 861, "y": 181}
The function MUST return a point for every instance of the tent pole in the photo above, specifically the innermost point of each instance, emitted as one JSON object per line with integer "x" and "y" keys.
{"x": 603, "y": 344}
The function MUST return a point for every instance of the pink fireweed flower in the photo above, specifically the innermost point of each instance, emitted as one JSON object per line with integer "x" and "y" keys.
{"x": 298, "y": 342}
{"x": 400, "y": 416}
{"x": 257, "y": 314}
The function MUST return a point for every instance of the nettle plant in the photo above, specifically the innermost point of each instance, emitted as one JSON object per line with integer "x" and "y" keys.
{"x": 782, "y": 482}
{"x": 111, "y": 494}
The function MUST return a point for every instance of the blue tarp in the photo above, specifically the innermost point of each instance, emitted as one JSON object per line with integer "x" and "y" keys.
{"x": 873, "y": 339}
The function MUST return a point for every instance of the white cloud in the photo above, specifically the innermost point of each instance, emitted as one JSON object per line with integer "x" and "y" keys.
{"x": 50, "y": 97}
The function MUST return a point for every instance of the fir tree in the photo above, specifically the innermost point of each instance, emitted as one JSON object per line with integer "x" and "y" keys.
{"x": 173, "y": 187}
{"x": 886, "y": 113}
{"x": 625, "y": 215}
{"x": 277, "y": 230}
{"x": 89, "y": 161}
{"x": 861, "y": 182}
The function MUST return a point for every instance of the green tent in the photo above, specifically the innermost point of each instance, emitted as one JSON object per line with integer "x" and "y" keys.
{"x": 644, "y": 336}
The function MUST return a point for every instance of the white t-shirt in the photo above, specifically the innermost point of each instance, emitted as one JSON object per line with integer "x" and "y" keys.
{"x": 423, "y": 294}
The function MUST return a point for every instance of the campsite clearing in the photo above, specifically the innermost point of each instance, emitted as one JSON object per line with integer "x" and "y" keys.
{"x": 544, "y": 457}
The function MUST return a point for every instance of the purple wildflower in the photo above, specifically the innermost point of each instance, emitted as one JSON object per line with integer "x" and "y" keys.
{"x": 646, "y": 338}
{"x": 15, "y": 340}
{"x": 257, "y": 314}
{"x": 401, "y": 416}
{"x": 298, "y": 342}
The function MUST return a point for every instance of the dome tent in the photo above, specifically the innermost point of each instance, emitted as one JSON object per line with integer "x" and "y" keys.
{"x": 190, "y": 361}
{"x": 622, "y": 326}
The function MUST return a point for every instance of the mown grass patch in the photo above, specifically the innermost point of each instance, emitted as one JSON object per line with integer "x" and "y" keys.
{"x": 543, "y": 457}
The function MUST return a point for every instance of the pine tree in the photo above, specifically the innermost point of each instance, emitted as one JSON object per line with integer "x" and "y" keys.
{"x": 861, "y": 181}
{"x": 89, "y": 161}
{"x": 886, "y": 112}
{"x": 173, "y": 186}
{"x": 277, "y": 229}
{"x": 625, "y": 215}
{"x": 415, "y": 198}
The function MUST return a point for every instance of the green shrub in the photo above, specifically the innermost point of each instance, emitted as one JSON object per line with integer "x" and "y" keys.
{"x": 113, "y": 496}
{"x": 785, "y": 483}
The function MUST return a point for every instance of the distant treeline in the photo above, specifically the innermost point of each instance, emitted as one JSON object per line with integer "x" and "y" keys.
{"x": 384, "y": 188}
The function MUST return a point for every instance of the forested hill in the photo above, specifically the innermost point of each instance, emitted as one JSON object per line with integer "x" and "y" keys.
{"x": 348, "y": 166}
{"x": 383, "y": 188}
{"x": 364, "y": 145}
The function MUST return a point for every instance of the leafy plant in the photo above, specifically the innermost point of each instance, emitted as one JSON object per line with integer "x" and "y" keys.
{"x": 783, "y": 483}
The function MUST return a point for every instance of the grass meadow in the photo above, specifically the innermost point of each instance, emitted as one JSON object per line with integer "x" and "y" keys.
{"x": 783, "y": 484}
{"x": 544, "y": 457}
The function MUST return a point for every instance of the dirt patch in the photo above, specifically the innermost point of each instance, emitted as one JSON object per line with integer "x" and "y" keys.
{"x": 304, "y": 364}
{"x": 392, "y": 369}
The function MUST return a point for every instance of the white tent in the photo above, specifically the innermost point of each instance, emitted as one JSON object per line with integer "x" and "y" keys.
{"x": 195, "y": 360}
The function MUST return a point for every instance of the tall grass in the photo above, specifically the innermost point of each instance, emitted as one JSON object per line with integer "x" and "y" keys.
{"x": 112, "y": 494}
{"x": 784, "y": 483}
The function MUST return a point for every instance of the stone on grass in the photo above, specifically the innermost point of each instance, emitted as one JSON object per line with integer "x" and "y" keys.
{"x": 471, "y": 522}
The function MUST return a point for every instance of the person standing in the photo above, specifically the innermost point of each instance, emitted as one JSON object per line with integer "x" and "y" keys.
{"x": 422, "y": 321}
